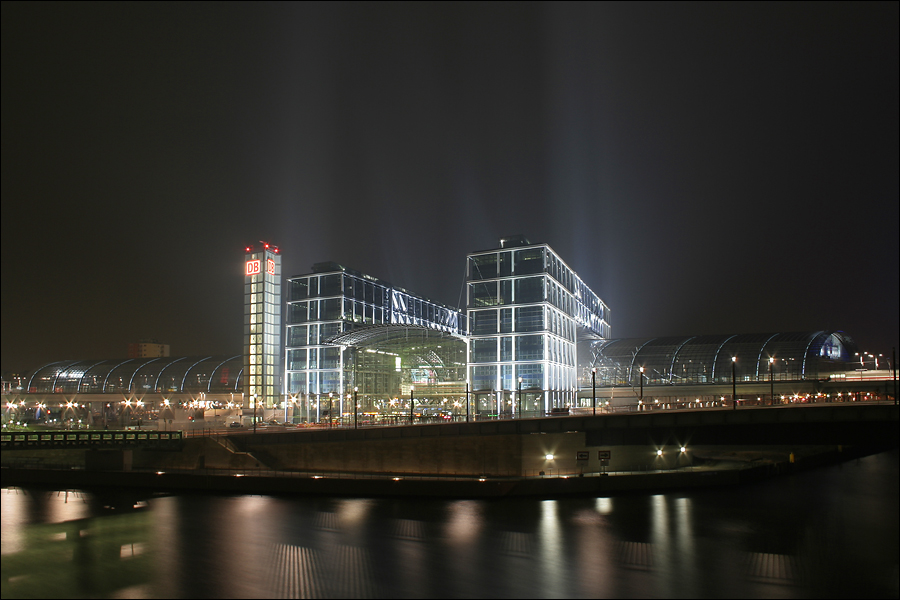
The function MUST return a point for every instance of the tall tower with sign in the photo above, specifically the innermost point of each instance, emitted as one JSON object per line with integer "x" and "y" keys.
{"x": 262, "y": 326}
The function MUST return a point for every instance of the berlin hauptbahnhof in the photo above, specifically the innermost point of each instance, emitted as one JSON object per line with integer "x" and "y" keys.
{"x": 533, "y": 340}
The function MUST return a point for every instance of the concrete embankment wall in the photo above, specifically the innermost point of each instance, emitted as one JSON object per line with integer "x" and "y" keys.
{"x": 492, "y": 455}
{"x": 195, "y": 453}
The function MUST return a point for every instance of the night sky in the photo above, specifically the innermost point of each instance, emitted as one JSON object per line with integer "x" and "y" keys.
{"x": 705, "y": 168}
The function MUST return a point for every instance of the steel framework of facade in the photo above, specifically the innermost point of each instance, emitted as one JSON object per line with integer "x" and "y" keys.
{"x": 708, "y": 359}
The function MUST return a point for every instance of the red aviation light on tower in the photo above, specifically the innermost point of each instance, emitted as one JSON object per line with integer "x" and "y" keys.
{"x": 269, "y": 247}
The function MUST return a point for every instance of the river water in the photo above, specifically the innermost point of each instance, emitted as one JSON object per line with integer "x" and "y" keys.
{"x": 829, "y": 532}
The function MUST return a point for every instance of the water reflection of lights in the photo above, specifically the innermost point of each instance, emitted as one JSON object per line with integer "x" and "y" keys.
{"x": 465, "y": 521}
{"x": 603, "y": 505}
{"x": 353, "y": 513}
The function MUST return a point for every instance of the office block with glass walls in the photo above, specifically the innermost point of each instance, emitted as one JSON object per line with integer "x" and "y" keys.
{"x": 526, "y": 310}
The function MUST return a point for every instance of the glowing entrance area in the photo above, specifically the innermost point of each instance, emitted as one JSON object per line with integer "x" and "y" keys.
{"x": 353, "y": 339}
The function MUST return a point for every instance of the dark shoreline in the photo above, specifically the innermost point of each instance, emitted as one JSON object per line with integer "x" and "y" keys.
{"x": 423, "y": 485}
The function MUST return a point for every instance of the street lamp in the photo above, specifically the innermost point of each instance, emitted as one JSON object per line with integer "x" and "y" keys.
{"x": 772, "y": 379}
{"x": 642, "y": 384}
{"x": 594, "y": 389}
{"x": 519, "y": 398}
{"x": 467, "y": 400}
{"x": 733, "y": 384}
{"x": 412, "y": 401}
{"x": 254, "y": 397}
{"x": 342, "y": 408}
{"x": 355, "y": 408}
{"x": 330, "y": 408}
{"x": 894, "y": 371}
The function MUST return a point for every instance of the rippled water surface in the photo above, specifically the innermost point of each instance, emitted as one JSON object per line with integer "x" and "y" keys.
{"x": 831, "y": 532}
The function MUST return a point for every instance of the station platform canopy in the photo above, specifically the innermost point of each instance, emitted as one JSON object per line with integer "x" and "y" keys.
{"x": 708, "y": 358}
{"x": 186, "y": 374}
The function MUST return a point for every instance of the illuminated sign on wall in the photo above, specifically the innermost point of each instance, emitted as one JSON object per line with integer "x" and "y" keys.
{"x": 252, "y": 267}
{"x": 270, "y": 266}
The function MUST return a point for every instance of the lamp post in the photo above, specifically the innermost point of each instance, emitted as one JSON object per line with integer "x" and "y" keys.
{"x": 594, "y": 389}
{"x": 733, "y": 384}
{"x": 355, "y": 407}
{"x": 642, "y": 385}
{"x": 519, "y": 398}
{"x": 894, "y": 371}
{"x": 772, "y": 379}
{"x": 254, "y": 397}
{"x": 412, "y": 401}
{"x": 467, "y": 400}
{"x": 330, "y": 407}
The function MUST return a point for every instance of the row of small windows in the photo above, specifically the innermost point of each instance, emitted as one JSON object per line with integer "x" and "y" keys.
{"x": 271, "y": 281}
{"x": 492, "y": 377}
{"x": 315, "y": 382}
{"x": 304, "y": 335}
{"x": 338, "y": 284}
{"x": 527, "y": 347}
{"x": 313, "y": 358}
{"x": 270, "y": 329}
{"x": 525, "y": 290}
{"x": 254, "y": 318}
{"x": 527, "y": 261}
{"x": 522, "y": 319}
{"x": 488, "y": 322}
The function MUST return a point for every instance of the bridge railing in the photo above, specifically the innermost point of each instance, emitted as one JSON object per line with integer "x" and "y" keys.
{"x": 91, "y": 438}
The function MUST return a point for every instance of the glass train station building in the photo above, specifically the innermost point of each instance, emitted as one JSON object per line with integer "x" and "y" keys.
{"x": 531, "y": 337}
{"x": 514, "y": 349}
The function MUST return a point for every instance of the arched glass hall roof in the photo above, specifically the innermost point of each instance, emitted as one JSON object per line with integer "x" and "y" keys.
{"x": 185, "y": 374}
{"x": 708, "y": 358}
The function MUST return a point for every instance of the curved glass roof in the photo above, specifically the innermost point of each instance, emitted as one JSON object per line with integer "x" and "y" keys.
{"x": 210, "y": 374}
{"x": 378, "y": 334}
{"x": 708, "y": 358}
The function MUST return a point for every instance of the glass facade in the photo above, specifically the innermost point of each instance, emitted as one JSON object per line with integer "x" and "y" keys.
{"x": 161, "y": 375}
{"x": 527, "y": 310}
{"x": 707, "y": 358}
{"x": 346, "y": 330}
{"x": 262, "y": 325}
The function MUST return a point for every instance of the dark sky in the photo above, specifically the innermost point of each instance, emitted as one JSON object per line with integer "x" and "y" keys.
{"x": 706, "y": 168}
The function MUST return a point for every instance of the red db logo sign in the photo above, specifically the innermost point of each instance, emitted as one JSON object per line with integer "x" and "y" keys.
{"x": 252, "y": 267}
